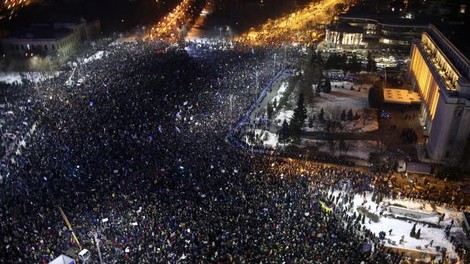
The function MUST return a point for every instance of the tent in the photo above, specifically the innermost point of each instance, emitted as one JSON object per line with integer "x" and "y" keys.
{"x": 63, "y": 259}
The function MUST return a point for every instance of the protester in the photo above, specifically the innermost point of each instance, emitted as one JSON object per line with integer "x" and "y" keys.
{"x": 136, "y": 151}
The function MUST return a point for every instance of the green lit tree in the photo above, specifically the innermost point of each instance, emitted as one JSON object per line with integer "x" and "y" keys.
{"x": 343, "y": 115}
{"x": 321, "y": 116}
{"x": 269, "y": 110}
{"x": 350, "y": 115}
{"x": 413, "y": 231}
{"x": 298, "y": 119}
{"x": 284, "y": 132}
{"x": 326, "y": 88}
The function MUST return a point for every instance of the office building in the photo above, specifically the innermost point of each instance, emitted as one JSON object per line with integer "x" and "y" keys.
{"x": 60, "y": 39}
{"x": 440, "y": 71}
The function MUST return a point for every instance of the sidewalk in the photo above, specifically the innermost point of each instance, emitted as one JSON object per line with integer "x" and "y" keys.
{"x": 260, "y": 109}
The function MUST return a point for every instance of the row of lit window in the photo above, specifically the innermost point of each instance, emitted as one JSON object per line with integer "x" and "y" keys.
{"x": 31, "y": 47}
{"x": 427, "y": 85}
{"x": 23, "y": 47}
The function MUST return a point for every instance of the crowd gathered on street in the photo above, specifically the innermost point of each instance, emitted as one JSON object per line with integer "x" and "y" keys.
{"x": 135, "y": 151}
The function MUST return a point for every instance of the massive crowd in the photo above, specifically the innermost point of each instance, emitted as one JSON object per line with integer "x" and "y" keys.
{"x": 137, "y": 152}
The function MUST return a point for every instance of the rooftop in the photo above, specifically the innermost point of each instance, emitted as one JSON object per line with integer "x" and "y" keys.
{"x": 345, "y": 27}
{"x": 40, "y": 32}
{"x": 457, "y": 34}
{"x": 401, "y": 96}
{"x": 385, "y": 19}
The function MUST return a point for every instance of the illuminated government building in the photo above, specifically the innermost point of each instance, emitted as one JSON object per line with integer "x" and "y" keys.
{"x": 369, "y": 31}
{"x": 440, "y": 71}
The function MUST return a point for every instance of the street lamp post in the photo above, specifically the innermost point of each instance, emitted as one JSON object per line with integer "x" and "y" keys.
{"x": 230, "y": 121}
{"x": 49, "y": 61}
{"x": 95, "y": 235}
{"x": 274, "y": 68}
{"x": 285, "y": 52}
{"x": 257, "y": 85}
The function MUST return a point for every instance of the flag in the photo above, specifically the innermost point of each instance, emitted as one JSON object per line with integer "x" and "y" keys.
{"x": 324, "y": 206}
{"x": 178, "y": 116}
{"x": 366, "y": 247}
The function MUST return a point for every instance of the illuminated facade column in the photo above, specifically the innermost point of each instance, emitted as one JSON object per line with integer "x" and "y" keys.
{"x": 445, "y": 109}
{"x": 332, "y": 37}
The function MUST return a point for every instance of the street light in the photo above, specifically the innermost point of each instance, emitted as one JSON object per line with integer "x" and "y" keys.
{"x": 274, "y": 68}
{"x": 95, "y": 235}
{"x": 230, "y": 121}
{"x": 229, "y": 32}
{"x": 257, "y": 85}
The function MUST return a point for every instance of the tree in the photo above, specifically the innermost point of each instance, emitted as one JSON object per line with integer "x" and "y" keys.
{"x": 321, "y": 117}
{"x": 312, "y": 73}
{"x": 350, "y": 115}
{"x": 310, "y": 122}
{"x": 356, "y": 116}
{"x": 354, "y": 64}
{"x": 343, "y": 115}
{"x": 318, "y": 89}
{"x": 298, "y": 119}
{"x": 375, "y": 97}
{"x": 326, "y": 88}
{"x": 336, "y": 61}
{"x": 343, "y": 62}
{"x": 331, "y": 145}
{"x": 343, "y": 147}
{"x": 306, "y": 89}
{"x": 284, "y": 132}
{"x": 371, "y": 65}
{"x": 418, "y": 234}
{"x": 413, "y": 231}
{"x": 275, "y": 103}
{"x": 269, "y": 110}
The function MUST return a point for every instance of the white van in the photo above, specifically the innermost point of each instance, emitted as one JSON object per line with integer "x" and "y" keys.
{"x": 401, "y": 166}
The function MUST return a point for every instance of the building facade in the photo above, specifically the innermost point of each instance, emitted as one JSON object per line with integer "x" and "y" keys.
{"x": 440, "y": 73}
{"x": 345, "y": 36}
{"x": 356, "y": 30}
{"x": 59, "y": 39}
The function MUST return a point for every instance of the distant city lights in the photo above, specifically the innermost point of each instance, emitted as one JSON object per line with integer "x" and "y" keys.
{"x": 170, "y": 25}
{"x": 303, "y": 26}
{"x": 9, "y": 8}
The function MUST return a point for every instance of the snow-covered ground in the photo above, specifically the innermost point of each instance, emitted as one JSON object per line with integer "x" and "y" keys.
{"x": 354, "y": 148}
{"x": 283, "y": 115}
{"x": 280, "y": 92}
{"x": 402, "y": 228}
{"x": 344, "y": 96}
{"x": 269, "y": 139}
{"x": 97, "y": 56}
{"x": 17, "y": 77}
